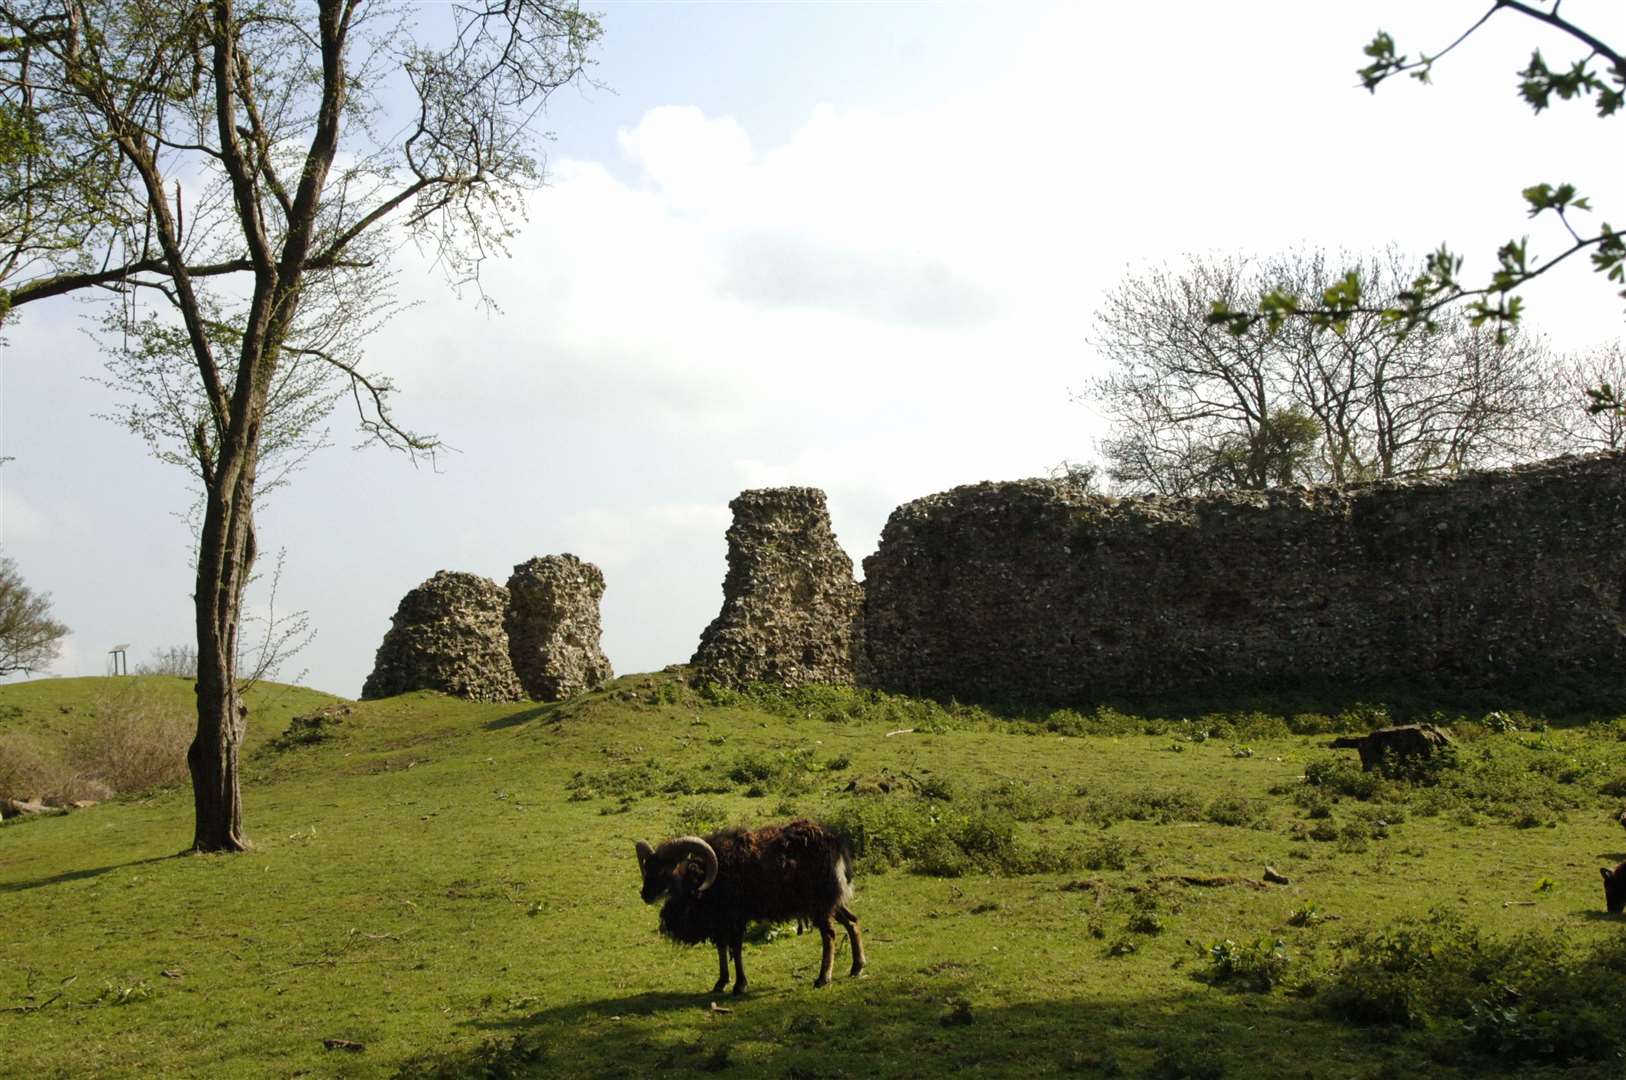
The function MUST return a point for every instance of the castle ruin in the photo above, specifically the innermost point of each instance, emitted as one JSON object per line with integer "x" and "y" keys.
{"x": 791, "y": 610}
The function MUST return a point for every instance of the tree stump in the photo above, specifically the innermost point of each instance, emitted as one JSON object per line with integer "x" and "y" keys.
{"x": 1394, "y": 743}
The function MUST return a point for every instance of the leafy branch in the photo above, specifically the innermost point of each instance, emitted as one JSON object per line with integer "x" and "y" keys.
{"x": 1599, "y": 77}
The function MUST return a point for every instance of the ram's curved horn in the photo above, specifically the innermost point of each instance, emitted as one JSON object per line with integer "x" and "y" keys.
{"x": 644, "y": 852}
{"x": 693, "y": 845}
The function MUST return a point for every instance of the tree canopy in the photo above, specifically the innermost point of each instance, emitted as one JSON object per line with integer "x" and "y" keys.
{"x": 1196, "y": 407}
{"x": 29, "y": 636}
{"x": 248, "y": 166}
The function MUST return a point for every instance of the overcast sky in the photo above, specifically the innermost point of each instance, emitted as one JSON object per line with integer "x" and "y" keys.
{"x": 854, "y": 246}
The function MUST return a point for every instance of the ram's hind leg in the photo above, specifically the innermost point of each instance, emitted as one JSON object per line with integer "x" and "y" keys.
{"x": 722, "y": 966}
{"x": 828, "y": 934}
{"x": 850, "y": 921}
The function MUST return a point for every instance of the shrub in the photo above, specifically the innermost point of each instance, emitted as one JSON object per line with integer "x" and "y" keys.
{"x": 24, "y": 771}
{"x": 312, "y": 728}
{"x": 1314, "y": 802}
{"x": 493, "y": 1059}
{"x": 137, "y": 742}
{"x": 1529, "y": 998}
{"x": 1237, "y": 811}
{"x": 1109, "y": 853}
{"x": 1339, "y": 776}
{"x": 1145, "y": 922}
{"x": 1020, "y": 799}
{"x": 936, "y": 838}
{"x": 1257, "y": 965}
{"x": 699, "y": 818}
{"x": 1186, "y": 1061}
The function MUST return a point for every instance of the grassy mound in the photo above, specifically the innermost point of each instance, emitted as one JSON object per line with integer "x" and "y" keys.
{"x": 94, "y": 738}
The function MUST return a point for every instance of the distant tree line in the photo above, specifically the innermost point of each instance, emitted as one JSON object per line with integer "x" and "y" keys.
{"x": 29, "y": 636}
{"x": 1197, "y": 406}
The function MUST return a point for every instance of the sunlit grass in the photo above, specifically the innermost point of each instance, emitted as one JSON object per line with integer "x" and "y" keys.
{"x": 453, "y": 887}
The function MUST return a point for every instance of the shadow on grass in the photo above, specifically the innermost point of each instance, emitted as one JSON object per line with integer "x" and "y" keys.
{"x": 1559, "y": 701}
{"x": 548, "y": 710}
{"x": 78, "y": 875}
{"x": 1598, "y": 914}
{"x": 921, "y": 1026}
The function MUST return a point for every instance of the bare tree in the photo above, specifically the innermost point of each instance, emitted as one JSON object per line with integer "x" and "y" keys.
{"x": 29, "y": 637}
{"x": 259, "y": 159}
{"x": 178, "y": 660}
{"x": 1194, "y": 408}
{"x": 1571, "y": 425}
{"x": 1198, "y": 407}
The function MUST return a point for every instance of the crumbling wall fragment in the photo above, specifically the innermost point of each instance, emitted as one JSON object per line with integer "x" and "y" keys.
{"x": 553, "y": 627}
{"x": 791, "y": 609}
{"x": 447, "y": 635}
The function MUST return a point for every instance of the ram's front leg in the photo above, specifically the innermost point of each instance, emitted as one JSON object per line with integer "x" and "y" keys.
{"x": 738, "y": 948}
{"x": 722, "y": 966}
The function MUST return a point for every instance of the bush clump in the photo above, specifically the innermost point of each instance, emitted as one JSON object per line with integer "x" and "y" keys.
{"x": 941, "y": 839}
{"x": 1531, "y": 998}
{"x": 1256, "y": 965}
{"x": 135, "y": 743}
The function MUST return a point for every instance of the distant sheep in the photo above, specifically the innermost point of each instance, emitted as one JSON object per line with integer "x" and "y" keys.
{"x": 1614, "y": 889}
{"x": 717, "y": 885}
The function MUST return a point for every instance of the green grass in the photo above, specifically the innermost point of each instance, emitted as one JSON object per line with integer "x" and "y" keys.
{"x": 453, "y": 887}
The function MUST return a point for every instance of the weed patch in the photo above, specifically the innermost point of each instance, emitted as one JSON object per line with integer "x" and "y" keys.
{"x": 1256, "y": 965}
{"x": 941, "y": 840}
{"x": 1529, "y": 998}
{"x": 494, "y": 1059}
{"x": 136, "y": 743}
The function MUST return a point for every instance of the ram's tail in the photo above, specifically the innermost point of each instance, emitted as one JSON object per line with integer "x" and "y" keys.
{"x": 844, "y": 869}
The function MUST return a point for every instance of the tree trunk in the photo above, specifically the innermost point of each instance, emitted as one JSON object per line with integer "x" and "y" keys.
{"x": 225, "y": 554}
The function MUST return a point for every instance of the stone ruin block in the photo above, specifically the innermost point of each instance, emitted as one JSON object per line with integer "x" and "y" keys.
{"x": 553, "y": 627}
{"x": 448, "y": 635}
{"x": 792, "y": 613}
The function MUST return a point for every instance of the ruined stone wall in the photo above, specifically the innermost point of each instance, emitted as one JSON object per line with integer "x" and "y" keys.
{"x": 553, "y": 627}
{"x": 1031, "y": 590}
{"x": 791, "y": 609}
{"x": 447, "y": 635}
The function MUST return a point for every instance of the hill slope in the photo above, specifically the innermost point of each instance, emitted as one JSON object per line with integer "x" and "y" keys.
{"x": 452, "y": 887}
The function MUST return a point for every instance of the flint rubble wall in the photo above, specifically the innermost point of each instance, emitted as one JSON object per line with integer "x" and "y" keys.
{"x": 1033, "y": 590}
{"x": 467, "y": 636}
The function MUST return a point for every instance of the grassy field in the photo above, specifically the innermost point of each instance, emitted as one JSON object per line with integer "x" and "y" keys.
{"x": 450, "y": 889}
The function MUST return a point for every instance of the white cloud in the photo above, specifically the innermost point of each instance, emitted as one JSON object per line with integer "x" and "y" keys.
{"x": 693, "y": 160}
{"x": 19, "y": 521}
{"x": 613, "y": 538}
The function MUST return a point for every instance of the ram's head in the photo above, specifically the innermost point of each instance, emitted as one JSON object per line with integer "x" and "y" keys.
{"x": 663, "y": 867}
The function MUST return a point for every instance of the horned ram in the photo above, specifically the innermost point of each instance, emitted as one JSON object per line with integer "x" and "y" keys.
{"x": 715, "y": 886}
